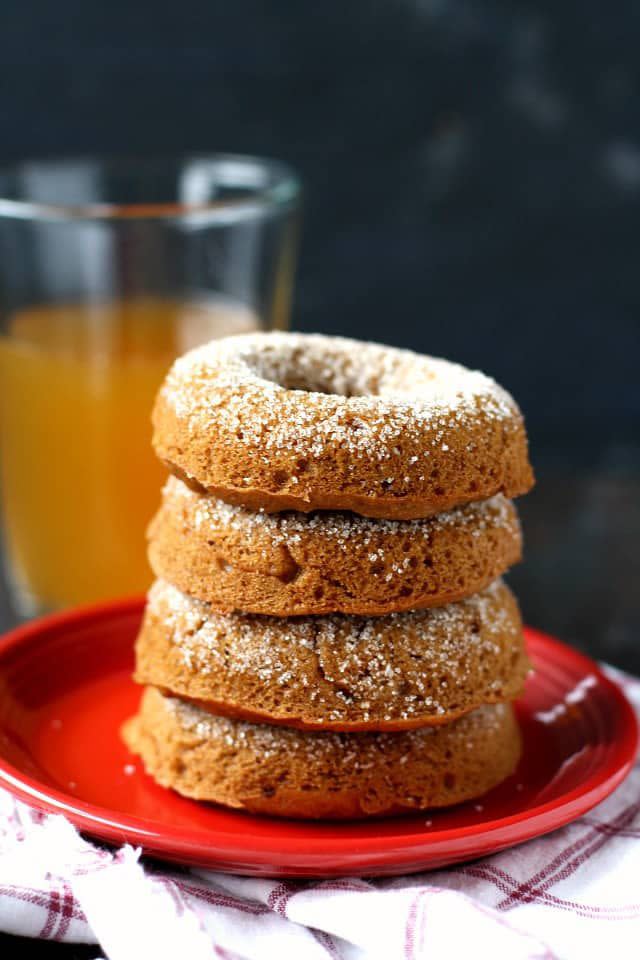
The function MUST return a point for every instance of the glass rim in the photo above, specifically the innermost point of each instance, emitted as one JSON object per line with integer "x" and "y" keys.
{"x": 282, "y": 192}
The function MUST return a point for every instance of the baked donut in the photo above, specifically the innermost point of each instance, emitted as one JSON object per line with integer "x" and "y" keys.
{"x": 292, "y": 564}
{"x": 282, "y": 772}
{"x": 291, "y": 421}
{"x": 335, "y": 672}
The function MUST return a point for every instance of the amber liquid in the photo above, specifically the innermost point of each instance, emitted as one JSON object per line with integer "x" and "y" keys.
{"x": 79, "y": 479}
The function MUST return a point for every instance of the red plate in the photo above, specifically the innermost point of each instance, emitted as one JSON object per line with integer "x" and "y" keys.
{"x": 65, "y": 689}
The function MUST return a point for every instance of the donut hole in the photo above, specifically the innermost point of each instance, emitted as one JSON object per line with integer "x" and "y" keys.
{"x": 329, "y": 370}
{"x": 325, "y": 388}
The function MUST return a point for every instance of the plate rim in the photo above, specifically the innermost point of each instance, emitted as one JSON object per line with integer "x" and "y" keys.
{"x": 176, "y": 843}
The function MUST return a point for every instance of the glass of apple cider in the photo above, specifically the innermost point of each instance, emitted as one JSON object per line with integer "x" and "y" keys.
{"x": 108, "y": 270}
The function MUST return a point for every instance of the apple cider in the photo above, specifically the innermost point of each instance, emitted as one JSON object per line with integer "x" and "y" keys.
{"x": 79, "y": 479}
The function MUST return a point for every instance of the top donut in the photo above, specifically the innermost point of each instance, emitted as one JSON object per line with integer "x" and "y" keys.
{"x": 292, "y": 421}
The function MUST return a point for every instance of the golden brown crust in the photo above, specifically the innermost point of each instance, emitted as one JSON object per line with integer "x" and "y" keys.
{"x": 282, "y": 772}
{"x": 297, "y": 564}
{"x": 336, "y": 672}
{"x": 306, "y": 422}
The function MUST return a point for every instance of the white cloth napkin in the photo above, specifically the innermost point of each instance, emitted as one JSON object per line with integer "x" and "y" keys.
{"x": 574, "y": 893}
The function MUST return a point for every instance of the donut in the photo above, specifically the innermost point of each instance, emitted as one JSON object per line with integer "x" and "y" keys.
{"x": 282, "y": 772}
{"x": 335, "y": 672}
{"x": 293, "y": 564}
{"x": 291, "y": 421}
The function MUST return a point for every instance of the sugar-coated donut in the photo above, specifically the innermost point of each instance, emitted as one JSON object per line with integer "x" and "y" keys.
{"x": 282, "y": 772}
{"x": 286, "y": 421}
{"x": 335, "y": 672}
{"x": 290, "y": 564}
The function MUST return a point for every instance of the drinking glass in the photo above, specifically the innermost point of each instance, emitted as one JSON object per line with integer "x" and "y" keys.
{"x": 108, "y": 270}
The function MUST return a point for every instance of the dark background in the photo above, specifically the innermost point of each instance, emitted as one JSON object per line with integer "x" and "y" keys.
{"x": 472, "y": 175}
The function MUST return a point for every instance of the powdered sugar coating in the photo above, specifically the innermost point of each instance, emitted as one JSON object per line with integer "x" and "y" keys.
{"x": 274, "y": 740}
{"x": 284, "y": 772}
{"x": 341, "y": 528}
{"x": 363, "y": 397}
{"x": 306, "y": 422}
{"x": 431, "y": 665}
{"x": 299, "y": 564}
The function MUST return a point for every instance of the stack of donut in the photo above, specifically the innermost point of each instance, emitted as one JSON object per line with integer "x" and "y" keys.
{"x": 328, "y": 634}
